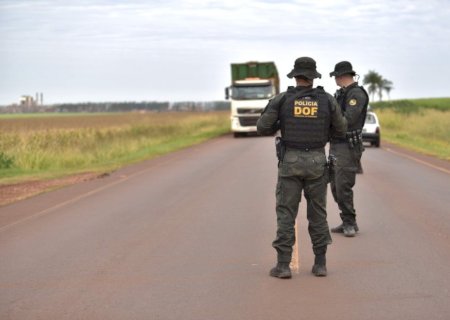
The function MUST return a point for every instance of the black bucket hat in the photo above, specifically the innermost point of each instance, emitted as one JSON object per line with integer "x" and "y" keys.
{"x": 343, "y": 67}
{"x": 305, "y": 67}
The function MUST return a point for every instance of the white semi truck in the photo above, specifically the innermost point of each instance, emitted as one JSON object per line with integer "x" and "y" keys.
{"x": 252, "y": 85}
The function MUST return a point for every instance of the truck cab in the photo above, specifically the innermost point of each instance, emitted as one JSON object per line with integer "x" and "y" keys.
{"x": 253, "y": 84}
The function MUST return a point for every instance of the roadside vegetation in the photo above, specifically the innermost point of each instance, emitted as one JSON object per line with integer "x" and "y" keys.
{"x": 43, "y": 146}
{"x": 46, "y": 146}
{"x": 422, "y": 125}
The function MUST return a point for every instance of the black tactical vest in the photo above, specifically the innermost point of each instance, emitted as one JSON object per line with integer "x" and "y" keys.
{"x": 305, "y": 118}
{"x": 341, "y": 98}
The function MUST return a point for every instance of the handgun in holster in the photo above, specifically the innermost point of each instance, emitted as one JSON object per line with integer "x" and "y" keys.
{"x": 331, "y": 163}
{"x": 350, "y": 139}
{"x": 280, "y": 147}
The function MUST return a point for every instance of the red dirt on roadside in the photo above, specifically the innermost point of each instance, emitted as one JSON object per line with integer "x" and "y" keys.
{"x": 14, "y": 192}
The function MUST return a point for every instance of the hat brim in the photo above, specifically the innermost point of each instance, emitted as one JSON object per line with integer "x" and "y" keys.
{"x": 340, "y": 73}
{"x": 308, "y": 74}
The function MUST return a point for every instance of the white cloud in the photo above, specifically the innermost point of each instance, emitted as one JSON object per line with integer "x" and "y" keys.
{"x": 136, "y": 42}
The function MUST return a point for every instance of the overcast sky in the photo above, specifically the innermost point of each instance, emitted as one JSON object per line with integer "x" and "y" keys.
{"x": 106, "y": 50}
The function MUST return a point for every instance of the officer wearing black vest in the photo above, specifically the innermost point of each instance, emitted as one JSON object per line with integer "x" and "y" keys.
{"x": 347, "y": 152}
{"x": 306, "y": 116}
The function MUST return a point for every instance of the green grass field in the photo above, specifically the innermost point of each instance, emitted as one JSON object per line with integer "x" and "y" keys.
{"x": 421, "y": 125}
{"x": 414, "y": 105}
{"x": 41, "y": 146}
{"x": 44, "y": 146}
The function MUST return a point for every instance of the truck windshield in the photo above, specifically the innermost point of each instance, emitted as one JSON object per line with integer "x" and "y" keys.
{"x": 249, "y": 93}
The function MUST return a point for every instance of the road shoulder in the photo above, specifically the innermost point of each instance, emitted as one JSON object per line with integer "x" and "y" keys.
{"x": 430, "y": 161}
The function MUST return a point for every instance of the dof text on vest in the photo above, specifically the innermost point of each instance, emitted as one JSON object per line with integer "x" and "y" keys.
{"x": 305, "y": 118}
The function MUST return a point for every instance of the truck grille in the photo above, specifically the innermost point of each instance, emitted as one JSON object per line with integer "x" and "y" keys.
{"x": 248, "y": 121}
{"x": 250, "y": 111}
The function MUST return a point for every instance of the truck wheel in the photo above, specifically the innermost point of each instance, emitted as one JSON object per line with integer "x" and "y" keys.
{"x": 237, "y": 134}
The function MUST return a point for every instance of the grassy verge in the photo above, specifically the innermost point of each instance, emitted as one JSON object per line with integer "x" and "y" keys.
{"x": 42, "y": 147}
{"x": 421, "y": 125}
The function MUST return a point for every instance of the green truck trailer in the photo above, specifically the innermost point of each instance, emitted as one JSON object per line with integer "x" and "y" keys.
{"x": 252, "y": 85}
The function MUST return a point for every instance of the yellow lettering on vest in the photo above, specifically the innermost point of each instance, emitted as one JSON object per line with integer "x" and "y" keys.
{"x": 306, "y": 108}
{"x": 305, "y": 112}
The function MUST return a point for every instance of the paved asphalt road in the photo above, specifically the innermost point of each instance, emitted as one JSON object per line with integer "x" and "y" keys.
{"x": 188, "y": 236}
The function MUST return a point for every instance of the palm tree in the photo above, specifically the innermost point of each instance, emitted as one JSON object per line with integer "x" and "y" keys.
{"x": 374, "y": 80}
{"x": 387, "y": 86}
{"x": 377, "y": 84}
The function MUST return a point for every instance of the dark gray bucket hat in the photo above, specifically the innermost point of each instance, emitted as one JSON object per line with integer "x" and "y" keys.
{"x": 343, "y": 67}
{"x": 306, "y": 67}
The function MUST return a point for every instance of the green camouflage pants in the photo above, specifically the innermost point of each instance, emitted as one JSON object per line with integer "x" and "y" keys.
{"x": 301, "y": 171}
{"x": 343, "y": 179}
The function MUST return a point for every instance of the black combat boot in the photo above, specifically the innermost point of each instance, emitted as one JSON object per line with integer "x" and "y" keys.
{"x": 281, "y": 270}
{"x": 349, "y": 231}
{"x": 340, "y": 228}
{"x": 319, "y": 268}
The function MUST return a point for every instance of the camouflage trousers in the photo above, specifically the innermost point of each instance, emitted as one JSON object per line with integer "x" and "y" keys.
{"x": 343, "y": 178}
{"x": 301, "y": 171}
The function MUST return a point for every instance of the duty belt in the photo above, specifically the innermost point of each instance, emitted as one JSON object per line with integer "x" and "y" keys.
{"x": 304, "y": 147}
{"x": 307, "y": 149}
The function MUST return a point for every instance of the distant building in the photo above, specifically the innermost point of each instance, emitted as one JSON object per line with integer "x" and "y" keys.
{"x": 27, "y": 101}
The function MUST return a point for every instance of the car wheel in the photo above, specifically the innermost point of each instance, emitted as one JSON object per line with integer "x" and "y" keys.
{"x": 377, "y": 143}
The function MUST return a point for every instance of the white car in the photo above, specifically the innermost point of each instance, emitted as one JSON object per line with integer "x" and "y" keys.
{"x": 371, "y": 130}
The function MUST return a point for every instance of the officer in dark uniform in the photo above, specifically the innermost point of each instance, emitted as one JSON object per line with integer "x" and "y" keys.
{"x": 346, "y": 152}
{"x": 306, "y": 116}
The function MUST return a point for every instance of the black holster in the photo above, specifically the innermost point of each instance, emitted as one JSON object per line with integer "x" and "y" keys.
{"x": 331, "y": 163}
{"x": 280, "y": 147}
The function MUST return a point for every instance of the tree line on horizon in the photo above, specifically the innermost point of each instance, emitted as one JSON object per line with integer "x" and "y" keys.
{"x": 149, "y": 106}
{"x": 376, "y": 84}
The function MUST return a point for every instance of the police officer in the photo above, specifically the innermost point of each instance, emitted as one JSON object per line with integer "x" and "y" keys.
{"x": 305, "y": 115}
{"x": 347, "y": 151}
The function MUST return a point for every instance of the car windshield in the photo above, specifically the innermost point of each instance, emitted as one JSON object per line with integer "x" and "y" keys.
{"x": 248, "y": 93}
{"x": 370, "y": 119}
